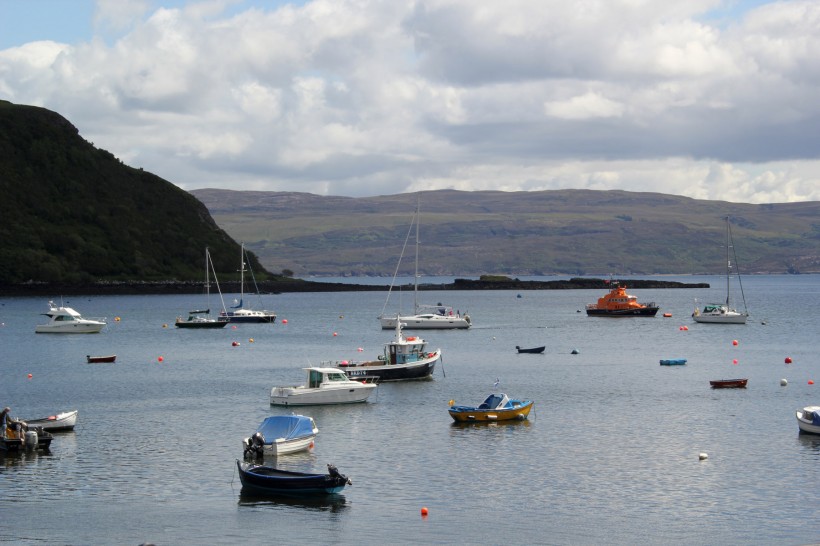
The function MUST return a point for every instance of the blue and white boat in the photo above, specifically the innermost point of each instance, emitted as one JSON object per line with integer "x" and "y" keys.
{"x": 240, "y": 313}
{"x": 808, "y": 419}
{"x": 281, "y": 434}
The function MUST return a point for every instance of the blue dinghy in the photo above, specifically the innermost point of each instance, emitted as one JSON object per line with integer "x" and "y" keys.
{"x": 673, "y": 362}
{"x": 269, "y": 480}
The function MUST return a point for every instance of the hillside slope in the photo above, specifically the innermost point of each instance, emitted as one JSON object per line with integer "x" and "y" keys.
{"x": 568, "y": 232}
{"x": 73, "y": 213}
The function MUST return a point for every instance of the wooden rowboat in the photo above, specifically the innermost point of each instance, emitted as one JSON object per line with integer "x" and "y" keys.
{"x": 100, "y": 359}
{"x": 728, "y": 383}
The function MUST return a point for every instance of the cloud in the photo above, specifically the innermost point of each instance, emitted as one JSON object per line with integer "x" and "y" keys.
{"x": 364, "y": 97}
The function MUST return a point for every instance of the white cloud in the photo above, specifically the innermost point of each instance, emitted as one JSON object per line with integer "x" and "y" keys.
{"x": 360, "y": 97}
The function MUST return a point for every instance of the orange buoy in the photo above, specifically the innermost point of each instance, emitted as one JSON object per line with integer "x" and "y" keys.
{"x": 667, "y": 315}
{"x": 788, "y": 360}
{"x": 811, "y": 382}
{"x": 423, "y": 510}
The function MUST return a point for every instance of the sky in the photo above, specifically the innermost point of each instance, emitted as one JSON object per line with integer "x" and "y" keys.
{"x": 710, "y": 99}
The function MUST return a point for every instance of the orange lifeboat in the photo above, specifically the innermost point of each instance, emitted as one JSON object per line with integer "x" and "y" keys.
{"x": 620, "y": 304}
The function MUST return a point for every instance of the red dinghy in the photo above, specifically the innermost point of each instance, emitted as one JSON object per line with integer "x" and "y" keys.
{"x": 728, "y": 383}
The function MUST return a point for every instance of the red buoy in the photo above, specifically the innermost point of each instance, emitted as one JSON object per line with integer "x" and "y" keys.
{"x": 734, "y": 342}
{"x": 788, "y": 360}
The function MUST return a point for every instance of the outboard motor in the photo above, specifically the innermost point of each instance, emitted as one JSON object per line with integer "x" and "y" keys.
{"x": 333, "y": 471}
{"x": 31, "y": 440}
{"x": 255, "y": 445}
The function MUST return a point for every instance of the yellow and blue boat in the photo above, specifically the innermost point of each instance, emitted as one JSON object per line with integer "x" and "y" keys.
{"x": 496, "y": 407}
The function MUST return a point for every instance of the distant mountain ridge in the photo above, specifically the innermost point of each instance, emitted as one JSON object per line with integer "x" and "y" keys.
{"x": 564, "y": 232}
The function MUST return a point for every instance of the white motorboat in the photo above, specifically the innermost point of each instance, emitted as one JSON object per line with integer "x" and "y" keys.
{"x": 808, "y": 419}
{"x": 323, "y": 386}
{"x": 65, "y": 320}
{"x": 723, "y": 313}
{"x": 64, "y": 421}
{"x": 424, "y": 317}
{"x": 281, "y": 434}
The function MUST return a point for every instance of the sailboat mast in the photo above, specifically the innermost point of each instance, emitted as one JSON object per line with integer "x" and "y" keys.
{"x": 416, "y": 287}
{"x": 242, "y": 274}
{"x": 207, "y": 281}
{"x": 728, "y": 262}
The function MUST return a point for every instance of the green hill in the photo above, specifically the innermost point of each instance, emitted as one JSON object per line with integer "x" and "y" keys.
{"x": 566, "y": 232}
{"x": 72, "y": 213}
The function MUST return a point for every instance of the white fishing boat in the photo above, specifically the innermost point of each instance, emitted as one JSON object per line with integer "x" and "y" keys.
{"x": 724, "y": 313}
{"x": 425, "y": 316}
{"x": 404, "y": 358}
{"x": 65, "y": 320}
{"x": 323, "y": 386}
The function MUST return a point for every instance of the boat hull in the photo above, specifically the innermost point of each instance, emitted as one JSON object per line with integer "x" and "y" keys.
{"x": 729, "y": 383}
{"x": 534, "y": 350}
{"x": 421, "y": 369}
{"x": 728, "y": 318}
{"x": 267, "y": 480}
{"x": 641, "y": 312}
{"x": 673, "y": 362}
{"x": 251, "y": 317}
{"x": 414, "y": 322}
{"x": 55, "y": 423}
{"x": 100, "y": 359}
{"x": 300, "y": 396}
{"x": 805, "y": 421}
{"x": 465, "y": 414}
{"x": 204, "y": 324}
{"x": 14, "y": 444}
{"x": 71, "y": 328}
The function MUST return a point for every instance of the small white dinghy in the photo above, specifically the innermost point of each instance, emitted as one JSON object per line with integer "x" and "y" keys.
{"x": 60, "y": 422}
{"x": 808, "y": 419}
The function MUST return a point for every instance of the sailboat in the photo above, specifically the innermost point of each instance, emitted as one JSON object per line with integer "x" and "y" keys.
{"x": 724, "y": 313}
{"x": 201, "y": 318}
{"x": 244, "y": 314}
{"x": 424, "y": 317}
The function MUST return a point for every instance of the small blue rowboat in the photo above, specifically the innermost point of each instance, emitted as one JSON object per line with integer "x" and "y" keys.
{"x": 268, "y": 480}
{"x": 673, "y": 361}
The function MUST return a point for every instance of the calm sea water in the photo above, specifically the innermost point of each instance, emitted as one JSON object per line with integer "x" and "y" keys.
{"x": 608, "y": 456}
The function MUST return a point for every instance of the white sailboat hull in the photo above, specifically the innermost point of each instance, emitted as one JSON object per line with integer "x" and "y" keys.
{"x": 727, "y": 317}
{"x": 426, "y": 322}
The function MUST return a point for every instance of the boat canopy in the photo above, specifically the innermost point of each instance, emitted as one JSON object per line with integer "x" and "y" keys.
{"x": 813, "y": 415}
{"x": 495, "y": 401}
{"x": 286, "y": 426}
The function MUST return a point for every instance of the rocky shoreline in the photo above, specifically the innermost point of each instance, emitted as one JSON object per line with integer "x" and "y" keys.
{"x": 104, "y": 288}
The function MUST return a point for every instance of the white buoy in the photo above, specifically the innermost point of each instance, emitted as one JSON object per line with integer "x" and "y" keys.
{"x": 703, "y": 456}
{"x": 783, "y": 382}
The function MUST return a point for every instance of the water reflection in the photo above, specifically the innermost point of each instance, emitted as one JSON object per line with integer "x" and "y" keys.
{"x": 333, "y": 503}
{"x": 490, "y": 424}
{"x": 810, "y": 441}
